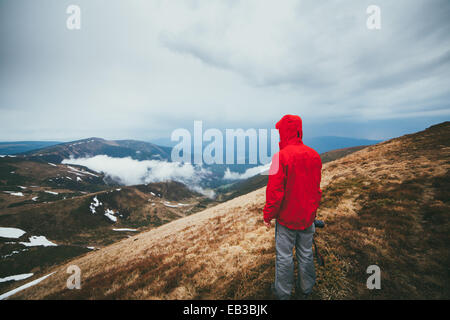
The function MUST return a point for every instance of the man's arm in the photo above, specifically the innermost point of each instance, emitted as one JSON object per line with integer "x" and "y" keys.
{"x": 275, "y": 189}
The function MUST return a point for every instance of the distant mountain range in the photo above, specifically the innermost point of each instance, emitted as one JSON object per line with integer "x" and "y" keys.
{"x": 15, "y": 147}
{"x": 91, "y": 147}
{"x": 141, "y": 150}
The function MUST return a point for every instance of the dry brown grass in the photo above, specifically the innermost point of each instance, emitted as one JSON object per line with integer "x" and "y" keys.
{"x": 387, "y": 205}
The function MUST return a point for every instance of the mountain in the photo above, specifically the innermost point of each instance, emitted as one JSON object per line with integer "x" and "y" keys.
{"x": 90, "y": 147}
{"x": 14, "y": 147}
{"x": 328, "y": 143}
{"x": 384, "y": 205}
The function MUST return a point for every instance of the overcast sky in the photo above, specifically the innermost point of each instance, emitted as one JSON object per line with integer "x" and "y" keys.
{"x": 140, "y": 69}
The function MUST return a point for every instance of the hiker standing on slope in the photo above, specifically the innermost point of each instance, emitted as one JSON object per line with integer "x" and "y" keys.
{"x": 292, "y": 198}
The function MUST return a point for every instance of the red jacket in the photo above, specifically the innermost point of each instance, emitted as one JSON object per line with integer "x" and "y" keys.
{"x": 293, "y": 191}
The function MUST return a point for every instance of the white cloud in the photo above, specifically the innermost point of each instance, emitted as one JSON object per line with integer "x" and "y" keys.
{"x": 230, "y": 175}
{"x": 164, "y": 64}
{"x": 129, "y": 171}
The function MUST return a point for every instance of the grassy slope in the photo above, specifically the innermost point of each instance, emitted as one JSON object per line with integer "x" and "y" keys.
{"x": 387, "y": 204}
{"x": 65, "y": 218}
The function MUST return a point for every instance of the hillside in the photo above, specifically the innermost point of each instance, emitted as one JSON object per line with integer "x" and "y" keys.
{"x": 73, "y": 208}
{"x": 386, "y": 204}
{"x": 97, "y": 146}
{"x": 328, "y": 143}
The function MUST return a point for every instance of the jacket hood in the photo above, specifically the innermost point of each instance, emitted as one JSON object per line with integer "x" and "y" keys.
{"x": 290, "y": 129}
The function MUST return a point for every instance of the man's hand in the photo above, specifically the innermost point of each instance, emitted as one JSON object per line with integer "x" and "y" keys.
{"x": 267, "y": 224}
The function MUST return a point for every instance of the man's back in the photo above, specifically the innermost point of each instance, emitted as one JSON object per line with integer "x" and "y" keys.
{"x": 293, "y": 191}
{"x": 302, "y": 191}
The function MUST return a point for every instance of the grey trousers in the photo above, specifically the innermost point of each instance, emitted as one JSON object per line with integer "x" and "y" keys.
{"x": 285, "y": 240}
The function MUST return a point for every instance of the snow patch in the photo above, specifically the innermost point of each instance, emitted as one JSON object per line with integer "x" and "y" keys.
{"x": 95, "y": 204}
{"x": 25, "y": 286}
{"x": 16, "y": 277}
{"x": 75, "y": 170}
{"x": 38, "y": 241}
{"x": 14, "y": 252}
{"x": 125, "y": 229}
{"x": 11, "y": 232}
{"x": 110, "y": 214}
{"x": 168, "y": 204}
{"x": 17, "y": 194}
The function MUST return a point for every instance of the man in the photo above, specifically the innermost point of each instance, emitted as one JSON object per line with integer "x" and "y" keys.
{"x": 292, "y": 198}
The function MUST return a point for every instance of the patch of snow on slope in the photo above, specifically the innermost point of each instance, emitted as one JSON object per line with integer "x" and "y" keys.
{"x": 13, "y": 253}
{"x": 125, "y": 229}
{"x": 110, "y": 214}
{"x": 75, "y": 170}
{"x": 25, "y": 286}
{"x": 94, "y": 204}
{"x": 51, "y": 192}
{"x": 168, "y": 204}
{"x": 16, "y": 277}
{"x": 17, "y": 194}
{"x": 38, "y": 241}
{"x": 11, "y": 232}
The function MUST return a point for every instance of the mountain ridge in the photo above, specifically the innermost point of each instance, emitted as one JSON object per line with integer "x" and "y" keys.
{"x": 93, "y": 146}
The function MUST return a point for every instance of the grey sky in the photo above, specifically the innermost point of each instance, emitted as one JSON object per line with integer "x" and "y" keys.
{"x": 139, "y": 69}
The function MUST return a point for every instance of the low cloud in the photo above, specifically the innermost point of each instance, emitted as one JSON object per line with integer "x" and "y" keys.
{"x": 230, "y": 175}
{"x": 128, "y": 171}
